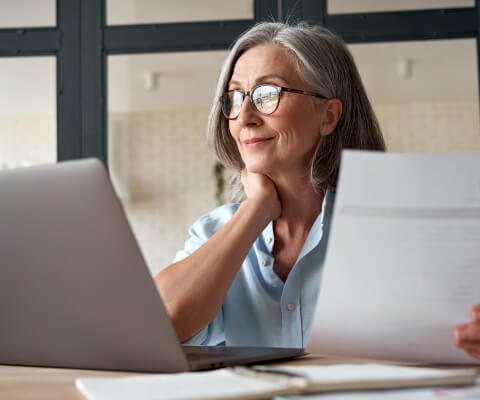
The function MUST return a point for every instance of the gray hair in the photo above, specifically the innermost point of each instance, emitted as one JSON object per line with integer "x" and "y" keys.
{"x": 327, "y": 67}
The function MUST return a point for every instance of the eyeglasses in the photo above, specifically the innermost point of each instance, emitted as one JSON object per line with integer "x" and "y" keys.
{"x": 265, "y": 98}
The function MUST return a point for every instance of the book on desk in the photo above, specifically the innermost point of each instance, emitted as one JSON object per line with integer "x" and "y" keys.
{"x": 264, "y": 382}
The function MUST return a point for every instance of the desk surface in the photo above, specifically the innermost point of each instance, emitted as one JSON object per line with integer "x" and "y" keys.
{"x": 34, "y": 383}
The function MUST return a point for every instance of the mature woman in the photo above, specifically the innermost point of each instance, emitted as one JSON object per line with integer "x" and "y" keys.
{"x": 290, "y": 100}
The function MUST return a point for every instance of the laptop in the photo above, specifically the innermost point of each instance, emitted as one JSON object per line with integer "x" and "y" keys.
{"x": 75, "y": 291}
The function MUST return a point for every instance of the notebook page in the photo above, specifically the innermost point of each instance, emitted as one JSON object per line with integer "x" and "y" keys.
{"x": 342, "y": 373}
{"x": 432, "y": 393}
{"x": 218, "y": 384}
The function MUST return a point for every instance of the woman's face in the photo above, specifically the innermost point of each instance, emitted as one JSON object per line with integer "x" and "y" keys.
{"x": 285, "y": 140}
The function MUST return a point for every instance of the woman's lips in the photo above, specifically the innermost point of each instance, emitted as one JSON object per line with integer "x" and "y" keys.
{"x": 256, "y": 141}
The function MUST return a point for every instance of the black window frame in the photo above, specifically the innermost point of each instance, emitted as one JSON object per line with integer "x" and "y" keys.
{"x": 81, "y": 41}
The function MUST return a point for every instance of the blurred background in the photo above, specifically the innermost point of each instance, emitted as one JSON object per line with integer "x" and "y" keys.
{"x": 132, "y": 81}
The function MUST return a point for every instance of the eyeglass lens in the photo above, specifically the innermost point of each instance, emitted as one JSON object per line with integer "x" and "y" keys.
{"x": 264, "y": 98}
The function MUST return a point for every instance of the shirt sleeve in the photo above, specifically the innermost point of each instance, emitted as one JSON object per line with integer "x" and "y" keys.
{"x": 199, "y": 233}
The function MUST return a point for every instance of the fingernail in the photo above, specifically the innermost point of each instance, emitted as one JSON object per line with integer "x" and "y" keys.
{"x": 461, "y": 334}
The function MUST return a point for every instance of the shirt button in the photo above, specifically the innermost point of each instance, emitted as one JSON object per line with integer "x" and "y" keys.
{"x": 264, "y": 263}
{"x": 291, "y": 307}
{"x": 269, "y": 239}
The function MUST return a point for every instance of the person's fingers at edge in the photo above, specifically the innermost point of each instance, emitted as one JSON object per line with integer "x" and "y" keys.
{"x": 243, "y": 177}
{"x": 469, "y": 333}
{"x": 475, "y": 313}
{"x": 474, "y": 354}
{"x": 461, "y": 335}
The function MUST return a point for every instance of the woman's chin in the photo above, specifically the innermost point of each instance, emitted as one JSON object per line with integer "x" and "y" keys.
{"x": 258, "y": 165}
{"x": 257, "y": 169}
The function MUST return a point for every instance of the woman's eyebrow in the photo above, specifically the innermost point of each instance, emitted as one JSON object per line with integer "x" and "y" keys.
{"x": 261, "y": 79}
{"x": 264, "y": 78}
{"x": 235, "y": 83}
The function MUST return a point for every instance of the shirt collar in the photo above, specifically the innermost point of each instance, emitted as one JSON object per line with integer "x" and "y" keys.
{"x": 316, "y": 231}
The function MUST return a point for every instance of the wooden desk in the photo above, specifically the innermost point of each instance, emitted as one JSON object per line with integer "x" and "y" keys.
{"x": 44, "y": 383}
{"x": 34, "y": 383}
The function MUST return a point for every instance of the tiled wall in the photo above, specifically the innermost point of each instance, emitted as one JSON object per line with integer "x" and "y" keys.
{"x": 163, "y": 170}
{"x": 435, "y": 127}
{"x": 27, "y": 140}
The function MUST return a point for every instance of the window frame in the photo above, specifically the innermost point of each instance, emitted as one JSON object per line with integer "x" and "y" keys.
{"x": 82, "y": 41}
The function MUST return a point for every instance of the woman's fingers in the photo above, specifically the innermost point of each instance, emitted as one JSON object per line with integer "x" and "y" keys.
{"x": 261, "y": 189}
{"x": 474, "y": 354}
{"x": 467, "y": 336}
{"x": 467, "y": 333}
{"x": 472, "y": 349}
{"x": 475, "y": 313}
{"x": 243, "y": 180}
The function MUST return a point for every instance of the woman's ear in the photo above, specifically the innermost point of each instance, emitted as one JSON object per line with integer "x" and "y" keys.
{"x": 332, "y": 111}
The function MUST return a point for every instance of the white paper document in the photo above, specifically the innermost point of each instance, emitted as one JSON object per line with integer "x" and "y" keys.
{"x": 403, "y": 262}
{"x": 220, "y": 384}
{"x": 260, "y": 383}
{"x": 435, "y": 393}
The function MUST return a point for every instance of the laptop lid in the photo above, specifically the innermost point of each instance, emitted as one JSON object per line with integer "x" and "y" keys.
{"x": 75, "y": 290}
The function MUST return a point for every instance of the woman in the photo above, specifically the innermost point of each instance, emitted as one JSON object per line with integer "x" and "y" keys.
{"x": 290, "y": 100}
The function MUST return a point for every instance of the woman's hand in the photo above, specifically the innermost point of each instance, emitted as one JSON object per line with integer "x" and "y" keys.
{"x": 467, "y": 336}
{"x": 262, "y": 191}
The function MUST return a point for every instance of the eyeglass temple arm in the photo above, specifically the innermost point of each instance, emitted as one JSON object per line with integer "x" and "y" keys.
{"x": 302, "y": 92}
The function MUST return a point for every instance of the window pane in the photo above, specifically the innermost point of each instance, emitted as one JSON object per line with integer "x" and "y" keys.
{"x": 159, "y": 160}
{"x": 356, "y": 6}
{"x": 154, "y": 11}
{"x": 27, "y": 13}
{"x": 425, "y": 93}
{"x": 28, "y": 131}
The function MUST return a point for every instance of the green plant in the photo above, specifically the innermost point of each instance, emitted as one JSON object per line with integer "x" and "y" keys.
{"x": 218, "y": 172}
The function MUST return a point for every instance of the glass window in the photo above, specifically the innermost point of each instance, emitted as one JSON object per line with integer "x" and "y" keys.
{"x": 153, "y": 11}
{"x": 28, "y": 130}
{"x": 425, "y": 93}
{"x": 159, "y": 160}
{"x": 364, "y": 6}
{"x": 27, "y": 13}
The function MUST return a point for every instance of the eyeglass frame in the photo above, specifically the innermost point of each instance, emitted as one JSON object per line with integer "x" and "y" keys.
{"x": 280, "y": 89}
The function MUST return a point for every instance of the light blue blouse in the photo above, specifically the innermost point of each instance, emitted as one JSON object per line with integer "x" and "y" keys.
{"x": 260, "y": 309}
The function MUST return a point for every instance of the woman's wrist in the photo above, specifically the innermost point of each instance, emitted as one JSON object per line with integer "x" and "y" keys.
{"x": 262, "y": 211}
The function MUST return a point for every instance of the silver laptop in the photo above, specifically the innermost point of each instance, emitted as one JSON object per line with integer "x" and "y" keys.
{"x": 74, "y": 288}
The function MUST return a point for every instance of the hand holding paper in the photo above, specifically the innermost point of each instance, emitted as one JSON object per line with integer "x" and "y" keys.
{"x": 403, "y": 265}
{"x": 467, "y": 336}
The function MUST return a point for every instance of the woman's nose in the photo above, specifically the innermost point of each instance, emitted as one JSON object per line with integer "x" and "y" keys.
{"x": 248, "y": 115}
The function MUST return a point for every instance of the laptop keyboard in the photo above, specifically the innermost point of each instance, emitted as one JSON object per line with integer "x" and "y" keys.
{"x": 207, "y": 352}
